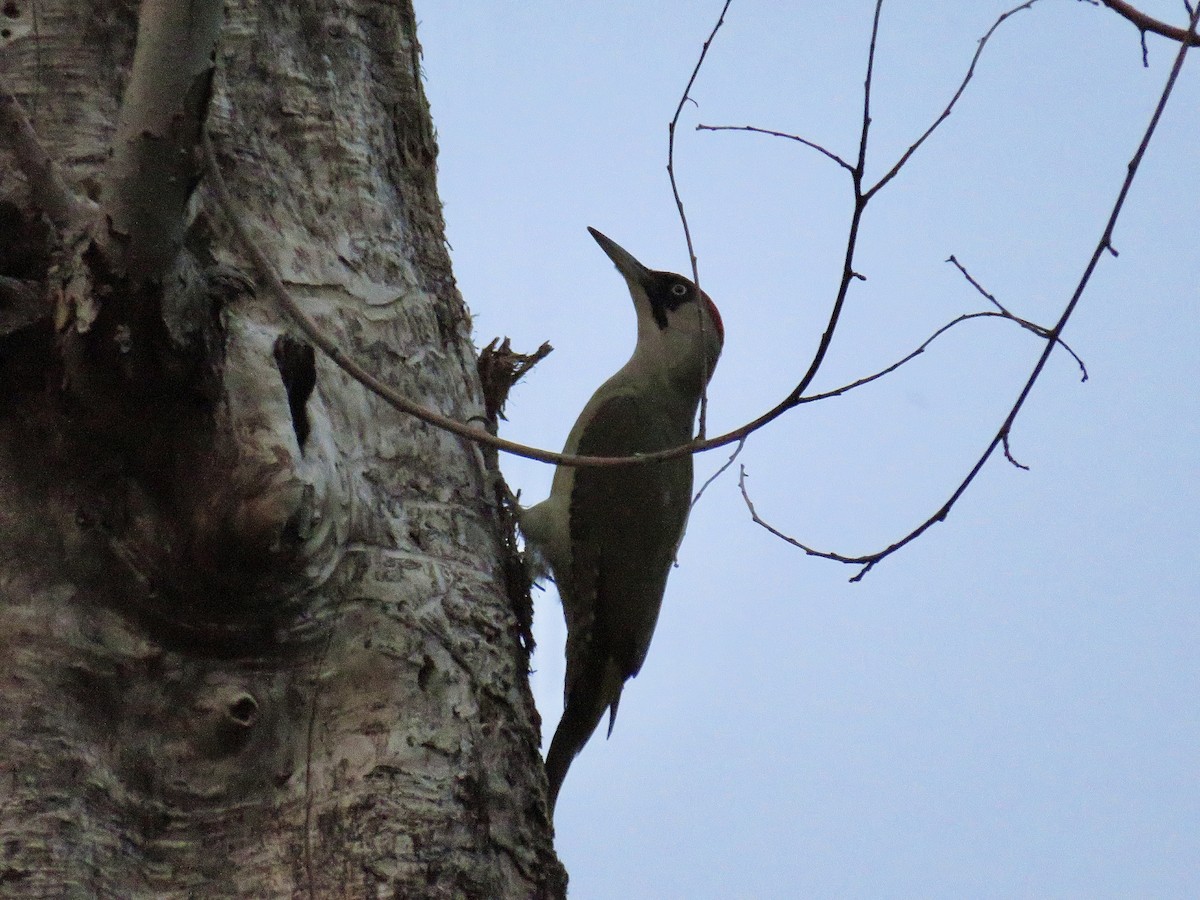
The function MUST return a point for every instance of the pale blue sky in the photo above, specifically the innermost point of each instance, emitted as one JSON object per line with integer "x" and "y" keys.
{"x": 1011, "y": 706}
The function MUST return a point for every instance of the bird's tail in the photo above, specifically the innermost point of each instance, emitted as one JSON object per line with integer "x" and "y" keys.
{"x": 596, "y": 689}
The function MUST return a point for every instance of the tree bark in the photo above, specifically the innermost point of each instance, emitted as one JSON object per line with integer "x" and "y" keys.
{"x": 254, "y": 624}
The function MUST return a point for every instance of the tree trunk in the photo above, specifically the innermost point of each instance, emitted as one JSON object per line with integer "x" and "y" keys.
{"x": 255, "y": 632}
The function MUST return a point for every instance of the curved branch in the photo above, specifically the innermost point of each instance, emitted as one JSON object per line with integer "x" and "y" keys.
{"x": 1024, "y": 323}
{"x": 687, "y": 232}
{"x": 389, "y": 395}
{"x": 867, "y": 562}
{"x": 385, "y": 392}
{"x": 965, "y": 317}
{"x": 781, "y": 134}
{"x": 721, "y": 471}
{"x": 1186, "y": 36}
{"x": 396, "y": 400}
{"x": 1001, "y": 438}
{"x": 907, "y": 155}
{"x": 916, "y": 145}
{"x": 861, "y": 199}
{"x": 322, "y": 341}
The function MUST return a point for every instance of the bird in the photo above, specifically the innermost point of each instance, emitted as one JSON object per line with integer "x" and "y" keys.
{"x": 609, "y": 535}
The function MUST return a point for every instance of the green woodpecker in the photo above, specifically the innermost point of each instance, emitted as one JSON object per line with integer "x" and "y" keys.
{"x": 609, "y": 535}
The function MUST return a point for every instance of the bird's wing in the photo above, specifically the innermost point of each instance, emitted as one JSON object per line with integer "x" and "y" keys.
{"x": 624, "y": 528}
{"x": 619, "y": 517}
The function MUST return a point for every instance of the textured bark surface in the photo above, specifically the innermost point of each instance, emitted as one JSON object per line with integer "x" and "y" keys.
{"x": 253, "y": 625}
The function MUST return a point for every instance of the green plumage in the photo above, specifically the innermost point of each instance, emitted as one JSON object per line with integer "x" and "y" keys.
{"x": 611, "y": 606}
{"x": 610, "y": 534}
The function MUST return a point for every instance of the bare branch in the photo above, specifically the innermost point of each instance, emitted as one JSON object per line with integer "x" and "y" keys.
{"x": 721, "y": 471}
{"x": 1012, "y": 459}
{"x": 687, "y": 232}
{"x": 47, "y": 189}
{"x": 861, "y": 199}
{"x": 1024, "y": 323}
{"x": 860, "y": 168}
{"x": 860, "y": 205}
{"x": 965, "y": 317}
{"x": 945, "y": 114}
{"x": 700, "y": 445}
{"x": 791, "y": 137}
{"x": 322, "y": 341}
{"x": 1001, "y": 438}
{"x": 1144, "y": 23}
{"x": 867, "y": 562}
{"x": 794, "y": 398}
{"x": 895, "y": 170}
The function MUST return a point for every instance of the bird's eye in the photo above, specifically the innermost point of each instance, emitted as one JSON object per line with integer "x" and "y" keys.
{"x": 679, "y": 290}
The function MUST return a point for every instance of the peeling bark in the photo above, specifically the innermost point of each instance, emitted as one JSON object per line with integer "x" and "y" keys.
{"x": 154, "y": 167}
{"x": 255, "y": 626}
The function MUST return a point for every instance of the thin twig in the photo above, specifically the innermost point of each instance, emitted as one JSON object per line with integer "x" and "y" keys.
{"x": 916, "y": 145}
{"x": 1009, "y": 456}
{"x": 945, "y": 114}
{"x": 687, "y": 232}
{"x": 393, "y": 398}
{"x": 865, "y": 561}
{"x": 990, "y": 297}
{"x": 965, "y": 317}
{"x": 721, "y": 471}
{"x": 1103, "y": 245}
{"x": 860, "y": 168}
{"x": 385, "y": 392}
{"x": 781, "y": 134}
{"x": 1024, "y": 323}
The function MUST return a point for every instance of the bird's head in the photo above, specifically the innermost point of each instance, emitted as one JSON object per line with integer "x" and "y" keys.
{"x": 679, "y": 327}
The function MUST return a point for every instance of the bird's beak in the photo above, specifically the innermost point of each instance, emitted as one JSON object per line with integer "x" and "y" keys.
{"x": 635, "y": 273}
